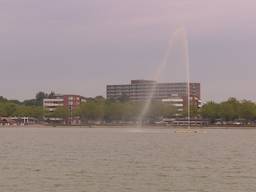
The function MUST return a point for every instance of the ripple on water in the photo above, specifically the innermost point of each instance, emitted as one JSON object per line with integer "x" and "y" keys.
{"x": 148, "y": 160}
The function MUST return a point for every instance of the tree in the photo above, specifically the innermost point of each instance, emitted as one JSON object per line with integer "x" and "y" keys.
{"x": 168, "y": 110}
{"x": 247, "y": 110}
{"x": 99, "y": 98}
{"x": 3, "y": 100}
{"x": 91, "y": 110}
{"x": 30, "y": 102}
{"x": 229, "y": 110}
{"x": 51, "y": 95}
{"x": 60, "y": 112}
{"x": 40, "y": 96}
{"x": 29, "y": 111}
{"x": 123, "y": 98}
{"x": 210, "y": 110}
{"x": 7, "y": 109}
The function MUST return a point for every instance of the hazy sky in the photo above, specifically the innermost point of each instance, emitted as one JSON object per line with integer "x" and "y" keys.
{"x": 79, "y": 46}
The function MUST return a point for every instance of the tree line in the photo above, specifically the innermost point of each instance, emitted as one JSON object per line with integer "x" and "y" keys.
{"x": 230, "y": 110}
{"x": 101, "y": 109}
{"x": 26, "y": 108}
{"x": 95, "y": 109}
{"x": 116, "y": 110}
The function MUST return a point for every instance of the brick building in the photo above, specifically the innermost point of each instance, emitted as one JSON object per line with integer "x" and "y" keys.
{"x": 71, "y": 102}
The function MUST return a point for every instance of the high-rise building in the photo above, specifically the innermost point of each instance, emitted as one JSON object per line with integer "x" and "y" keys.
{"x": 141, "y": 90}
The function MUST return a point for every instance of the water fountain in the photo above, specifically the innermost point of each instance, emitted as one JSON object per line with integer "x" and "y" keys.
{"x": 179, "y": 36}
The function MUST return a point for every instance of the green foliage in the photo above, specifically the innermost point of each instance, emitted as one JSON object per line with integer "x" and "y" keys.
{"x": 38, "y": 101}
{"x": 7, "y": 109}
{"x": 247, "y": 110}
{"x": 30, "y": 102}
{"x": 92, "y": 110}
{"x": 40, "y": 96}
{"x": 29, "y": 111}
{"x": 211, "y": 111}
{"x": 3, "y": 100}
{"x": 230, "y": 110}
{"x": 51, "y": 95}
{"x": 158, "y": 110}
{"x": 100, "y": 109}
{"x": 10, "y": 108}
{"x": 17, "y": 102}
{"x": 168, "y": 110}
{"x": 61, "y": 112}
{"x": 111, "y": 110}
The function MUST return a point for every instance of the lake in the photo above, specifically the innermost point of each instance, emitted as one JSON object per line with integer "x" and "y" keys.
{"x": 126, "y": 159}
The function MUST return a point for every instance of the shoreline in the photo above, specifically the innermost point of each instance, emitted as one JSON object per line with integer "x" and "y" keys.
{"x": 36, "y": 126}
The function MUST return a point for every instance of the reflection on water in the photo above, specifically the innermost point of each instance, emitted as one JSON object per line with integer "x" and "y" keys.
{"x": 120, "y": 160}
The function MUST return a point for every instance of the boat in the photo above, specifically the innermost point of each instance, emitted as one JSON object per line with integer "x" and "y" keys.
{"x": 189, "y": 130}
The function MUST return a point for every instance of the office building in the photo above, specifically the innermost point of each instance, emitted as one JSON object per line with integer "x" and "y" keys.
{"x": 141, "y": 90}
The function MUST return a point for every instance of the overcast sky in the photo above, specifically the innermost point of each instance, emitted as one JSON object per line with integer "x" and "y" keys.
{"x": 79, "y": 46}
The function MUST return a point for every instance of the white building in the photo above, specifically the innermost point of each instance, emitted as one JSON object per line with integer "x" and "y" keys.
{"x": 176, "y": 101}
{"x": 52, "y": 104}
{"x": 181, "y": 103}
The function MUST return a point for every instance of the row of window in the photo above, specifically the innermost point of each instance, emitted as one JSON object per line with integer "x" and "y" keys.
{"x": 150, "y": 85}
{"x": 147, "y": 88}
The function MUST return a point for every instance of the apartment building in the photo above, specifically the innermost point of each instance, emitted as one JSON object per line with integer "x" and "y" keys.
{"x": 70, "y": 101}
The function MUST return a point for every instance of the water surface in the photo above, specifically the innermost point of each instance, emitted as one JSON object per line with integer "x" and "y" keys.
{"x": 122, "y": 160}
